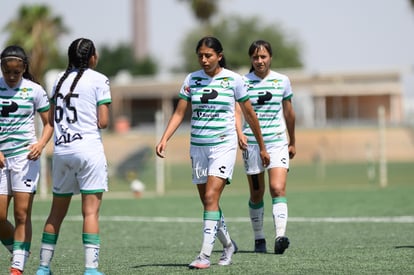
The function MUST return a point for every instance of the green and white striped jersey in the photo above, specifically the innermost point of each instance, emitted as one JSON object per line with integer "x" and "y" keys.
{"x": 213, "y": 105}
{"x": 18, "y": 108}
{"x": 266, "y": 96}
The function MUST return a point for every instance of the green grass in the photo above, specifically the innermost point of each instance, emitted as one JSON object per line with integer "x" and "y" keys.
{"x": 301, "y": 177}
{"x": 133, "y": 244}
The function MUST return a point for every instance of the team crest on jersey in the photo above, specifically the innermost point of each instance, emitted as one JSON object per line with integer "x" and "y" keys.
{"x": 225, "y": 83}
{"x": 24, "y": 93}
{"x": 275, "y": 83}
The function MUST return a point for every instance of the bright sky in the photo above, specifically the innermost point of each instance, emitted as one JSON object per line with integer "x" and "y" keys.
{"x": 335, "y": 34}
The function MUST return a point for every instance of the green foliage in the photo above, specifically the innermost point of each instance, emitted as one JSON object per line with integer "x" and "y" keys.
{"x": 60, "y": 62}
{"x": 37, "y": 30}
{"x": 111, "y": 61}
{"x": 236, "y": 34}
{"x": 203, "y": 10}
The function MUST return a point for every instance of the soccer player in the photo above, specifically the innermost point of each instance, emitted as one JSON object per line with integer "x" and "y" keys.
{"x": 80, "y": 109}
{"x": 21, "y": 97}
{"x": 270, "y": 94}
{"x": 212, "y": 93}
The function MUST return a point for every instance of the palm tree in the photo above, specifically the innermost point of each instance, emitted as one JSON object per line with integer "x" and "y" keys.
{"x": 37, "y": 31}
{"x": 203, "y": 9}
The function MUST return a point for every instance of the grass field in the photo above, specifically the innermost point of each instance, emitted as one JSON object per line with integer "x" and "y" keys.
{"x": 339, "y": 223}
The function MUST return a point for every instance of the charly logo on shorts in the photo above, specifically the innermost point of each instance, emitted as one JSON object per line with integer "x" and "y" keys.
{"x": 222, "y": 169}
{"x": 28, "y": 182}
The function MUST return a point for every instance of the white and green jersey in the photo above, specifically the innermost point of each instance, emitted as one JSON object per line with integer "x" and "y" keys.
{"x": 18, "y": 108}
{"x": 266, "y": 96}
{"x": 76, "y": 120}
{"x": 213, "y": 105}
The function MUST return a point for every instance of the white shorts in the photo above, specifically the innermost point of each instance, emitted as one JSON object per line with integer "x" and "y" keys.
{"x": 75, "y": 173}
{"x": 279, "y": 157}
{"x": 19, "y": 175}
{"x": 212, "y": 161}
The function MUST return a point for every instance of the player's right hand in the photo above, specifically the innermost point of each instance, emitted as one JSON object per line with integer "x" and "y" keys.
{"x": 160, "y": 150}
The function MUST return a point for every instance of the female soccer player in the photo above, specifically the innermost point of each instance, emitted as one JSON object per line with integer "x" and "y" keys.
{"x": 270, "y": 94}
{"x": 212, "y": 93}
{"x": 21, "y": 97}
{"x": 79, "y": 109}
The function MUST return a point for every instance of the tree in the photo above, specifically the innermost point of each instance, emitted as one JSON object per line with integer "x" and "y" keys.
{"x": 236, "y": 34}
{"x": 123, "y": 54}
{"x": 37, "y": 31}
{"x": 203, "y": 9}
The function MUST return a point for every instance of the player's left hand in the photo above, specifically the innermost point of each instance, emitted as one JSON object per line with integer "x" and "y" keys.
{"x": 292, "y": 151}
{"x": 264, "y": 155}
{"x": 242, "y": 140}
{"x": 35, "y": 151}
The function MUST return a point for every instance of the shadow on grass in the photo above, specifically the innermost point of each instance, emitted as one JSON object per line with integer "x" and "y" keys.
{"x": 160, "y": 265}
{"x": 404, "y": 246}
{"x": 186, "y": 265}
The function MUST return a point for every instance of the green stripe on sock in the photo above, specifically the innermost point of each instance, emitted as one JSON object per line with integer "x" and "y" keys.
{"x": 49, "y": 238}
{"x": 256, "y": 205}
{"x": 7, "y": 241}
{"x": 91, "y": 238}
{"x": 221, "y": 213}
{"x": 21, "y": 246}
{"x": 279, "y": 199}
{"x": 212, "y": 215}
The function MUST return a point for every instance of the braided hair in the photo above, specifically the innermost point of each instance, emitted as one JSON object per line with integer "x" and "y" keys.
{"x": 17, "y": 52}
{"x": 79, "y": 53}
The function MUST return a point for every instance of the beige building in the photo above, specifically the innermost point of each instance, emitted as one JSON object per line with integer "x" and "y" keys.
{"x": 320, "y": 99}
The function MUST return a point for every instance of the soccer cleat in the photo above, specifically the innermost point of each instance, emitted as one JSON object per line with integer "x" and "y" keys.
{"x": 228, "y": 252}
{"x": 260, "y": 246}
{"x": 199, "y": 263}
{"x": 281, "y": 243}
{"x": 43, "y": 270}
{"x": 92, "y": 271}
{"x": 15, "y": 271}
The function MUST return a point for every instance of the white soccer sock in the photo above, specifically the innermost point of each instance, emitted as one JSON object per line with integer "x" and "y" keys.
{"x": 280, "y": 216}
{"x": 256, "y": 212}
{"x": 46, "y": 253}
{"x": 222, "y": 233}
{"x": 209, "y": 237}
{"x": 19, "y": 259}
{"x": 91, "y": 255}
